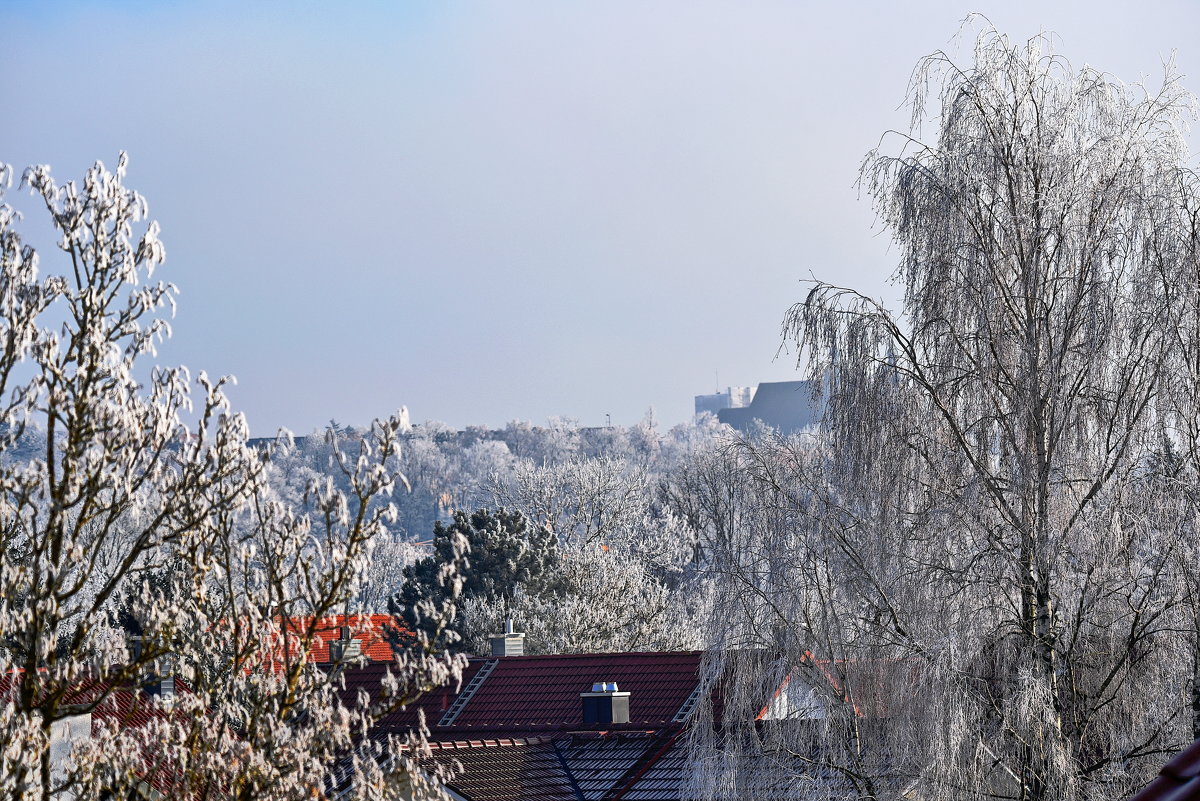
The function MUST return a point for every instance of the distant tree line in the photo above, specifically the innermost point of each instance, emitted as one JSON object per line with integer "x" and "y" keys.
{"x": 591, "y": 539}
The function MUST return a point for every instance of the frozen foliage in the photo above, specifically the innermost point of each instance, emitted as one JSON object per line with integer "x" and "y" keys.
{"x": 606, "y": 599}
{"x": 448, "y": 471}
{"x": 625, "y": 578}
{"x": 505, "y": 552}
{"x": 593, "y": 552}
{"x": 990, "y": 544}
{"x": 621, "y": 526}
{"x": 133, "y": 547}
{"x": 582, "y": 500}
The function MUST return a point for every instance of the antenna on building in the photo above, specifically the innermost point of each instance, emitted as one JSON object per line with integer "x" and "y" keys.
{"x": 717, "y": 379}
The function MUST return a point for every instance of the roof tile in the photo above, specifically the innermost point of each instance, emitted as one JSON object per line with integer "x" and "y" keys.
{"x": 543, "y": 691}
{"x": 372, "y": 632}
{"x": 526, "y": 770}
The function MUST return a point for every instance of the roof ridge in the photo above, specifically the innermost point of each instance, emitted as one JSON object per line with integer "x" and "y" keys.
{"x": 488, "y": 742}
{"x": 590, "y": 655}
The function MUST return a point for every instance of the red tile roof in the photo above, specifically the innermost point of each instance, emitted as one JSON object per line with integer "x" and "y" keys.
{"x": 126, "y": 705}
{"x": 527, "y": 694}
{"x": 518, "y": 732}
{"x": 372, "y": 631}
{"x": 433, "y": 703}
{"x": 125, "y": 708}
{"x": 128, "y": 709}
{"x": 1179, "y": 779}
{"x": 543, "y": 691}
{"x": 515, "y": 725}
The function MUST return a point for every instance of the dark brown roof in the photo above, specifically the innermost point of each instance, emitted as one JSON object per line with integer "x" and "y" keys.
{"x": 515, "y": 725}
{"x": 125, "y": 707}
{"x": 635, "y": 766}
{"x": 432, "y": 703}
{"x": 1179, "y": 779}
{"x": 543, "y": 691}
{"x": 532, "y": 694}
{"x": 505, "y": 769}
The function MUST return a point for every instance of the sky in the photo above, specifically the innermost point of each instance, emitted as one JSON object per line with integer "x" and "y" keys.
{"x": 491, "y": 211}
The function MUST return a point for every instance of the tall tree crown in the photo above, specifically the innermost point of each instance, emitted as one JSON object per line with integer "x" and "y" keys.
{"x": 977, "y": 503}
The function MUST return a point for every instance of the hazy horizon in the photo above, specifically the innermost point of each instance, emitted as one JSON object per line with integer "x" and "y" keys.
{"x": 487, "y": 211}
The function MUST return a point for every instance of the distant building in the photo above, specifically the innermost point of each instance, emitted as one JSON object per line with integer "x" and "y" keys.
{"x": 731, "y": 398}
{"x": 786, "y": 406}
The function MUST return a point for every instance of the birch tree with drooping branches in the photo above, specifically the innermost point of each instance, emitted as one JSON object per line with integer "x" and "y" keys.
{"x": 985, "y": 502}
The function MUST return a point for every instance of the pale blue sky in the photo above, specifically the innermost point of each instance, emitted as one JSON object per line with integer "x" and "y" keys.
{"x": 489, "y": 211}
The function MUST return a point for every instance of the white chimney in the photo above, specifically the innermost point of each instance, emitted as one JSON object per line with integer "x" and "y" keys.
{"x": 510, "y": 643}
{"x": 605, "y": 704}
{"x": 345, "y": 648}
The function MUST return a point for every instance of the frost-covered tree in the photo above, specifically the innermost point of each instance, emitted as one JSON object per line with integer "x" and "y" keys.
{"x": 978, "y": 503}
{"x": 619, "y": 496}
{"x": 585, "y": 500}
{"x": 709, "y": 490}
{"x": 506, "y": 553}
{"x": 134, "y": 547}
{"x": 605, "y": 598}
{"x": 550, "y": 445}
{"x": 624, "y": 579}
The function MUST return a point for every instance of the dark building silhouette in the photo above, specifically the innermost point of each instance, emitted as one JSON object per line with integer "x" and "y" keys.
{"x": 786, "y": 406}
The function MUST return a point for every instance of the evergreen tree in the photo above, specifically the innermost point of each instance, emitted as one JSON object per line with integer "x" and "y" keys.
{"x": 504, "y": 552}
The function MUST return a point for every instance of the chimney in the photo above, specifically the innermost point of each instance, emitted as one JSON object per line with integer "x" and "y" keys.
{"x": 345, "y": 648}
{"x": 510, "y": 643}
{"x": 161, "y": 684}
{"x": 160, "y": 679}
{"x": 166, "y": 687}
{"x": 604, "y": 704}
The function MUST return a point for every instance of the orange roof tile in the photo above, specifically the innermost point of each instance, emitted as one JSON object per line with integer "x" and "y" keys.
{"x": 372, "y": 632}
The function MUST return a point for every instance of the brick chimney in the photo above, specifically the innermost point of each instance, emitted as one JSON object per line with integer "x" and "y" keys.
{"x": 605, "y": 704}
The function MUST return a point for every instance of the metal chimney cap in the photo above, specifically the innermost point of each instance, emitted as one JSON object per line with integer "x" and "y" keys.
{"x": 604, "y": 687}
